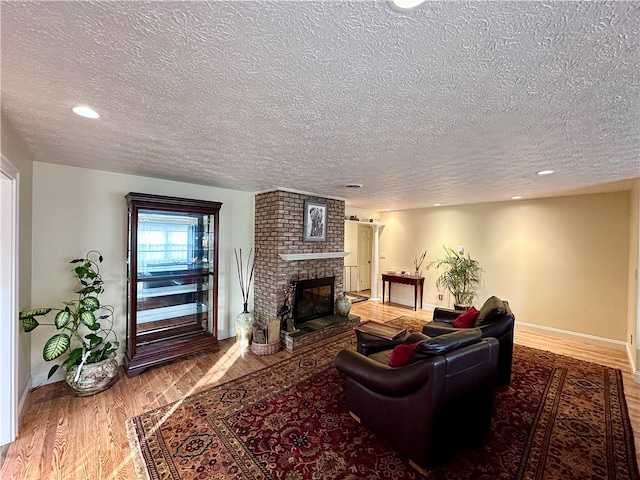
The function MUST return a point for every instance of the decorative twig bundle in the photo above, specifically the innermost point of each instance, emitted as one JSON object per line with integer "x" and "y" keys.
{"x": 418, "y": 262}
{"x": 245, "y": 278}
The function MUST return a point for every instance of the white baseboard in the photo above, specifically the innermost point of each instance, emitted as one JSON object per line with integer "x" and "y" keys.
{"x": 23, "y": 398}
{"x": 406, "y": 303}
{"x": 41, "y": 378}
{"x": 578, "y": 337}
{"x": 224, "y": 334}
{"x": 591, "y": 339}
{"x": 632, "y": 364}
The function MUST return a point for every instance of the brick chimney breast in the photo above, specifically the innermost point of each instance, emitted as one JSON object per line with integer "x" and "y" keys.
{"x": 279, "y": 221}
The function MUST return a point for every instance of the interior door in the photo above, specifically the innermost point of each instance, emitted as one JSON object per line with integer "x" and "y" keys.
{"x": 365, "y": 248}
{"x": 8, "y": 301}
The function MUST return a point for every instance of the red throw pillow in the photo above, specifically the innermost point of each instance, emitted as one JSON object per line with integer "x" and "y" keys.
{"x": 466, "y": 319}
{"x": 401, "y": 354}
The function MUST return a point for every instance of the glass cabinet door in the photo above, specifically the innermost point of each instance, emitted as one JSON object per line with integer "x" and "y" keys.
{"x": 172, "y": 279}
{"x": 173, "y": 295}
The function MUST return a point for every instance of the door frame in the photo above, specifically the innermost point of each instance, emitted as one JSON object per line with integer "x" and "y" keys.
{"x": 365, "y": 255}
{"x": 9, "y": 296}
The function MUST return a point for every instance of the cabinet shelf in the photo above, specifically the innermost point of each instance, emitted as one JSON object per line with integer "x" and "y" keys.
{"x": 143, "y": 293}
{"x": 174, "y": 311}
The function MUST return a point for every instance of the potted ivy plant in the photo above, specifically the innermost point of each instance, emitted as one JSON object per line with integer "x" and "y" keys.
{"x": 84, "y": 332}
{"x": 461, "y": 276}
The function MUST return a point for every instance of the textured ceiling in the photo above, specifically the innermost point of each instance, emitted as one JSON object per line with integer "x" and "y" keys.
{"x": 453, "y": 102}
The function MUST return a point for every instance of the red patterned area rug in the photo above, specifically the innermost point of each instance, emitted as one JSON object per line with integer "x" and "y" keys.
{"x": 560, "y": 419}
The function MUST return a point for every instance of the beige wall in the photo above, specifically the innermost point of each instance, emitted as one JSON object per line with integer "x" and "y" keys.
{"x": 77, "y": 209}
{"x": 17, "y": 153}
{"x": 561, "y": 262}
{"x": 633, "y": 320}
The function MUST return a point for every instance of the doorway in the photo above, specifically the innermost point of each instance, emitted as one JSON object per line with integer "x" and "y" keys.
{"x": 365, "y": 247}
{"x": 8, "y": 300}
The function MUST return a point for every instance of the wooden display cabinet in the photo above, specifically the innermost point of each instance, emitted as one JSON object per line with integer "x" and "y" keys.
{"x": 172, "y": 279}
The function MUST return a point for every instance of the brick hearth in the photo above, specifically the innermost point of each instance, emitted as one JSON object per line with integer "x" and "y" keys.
{"x": 321, "y": 328}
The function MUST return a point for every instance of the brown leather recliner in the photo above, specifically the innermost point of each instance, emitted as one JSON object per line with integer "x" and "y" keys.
{"x": 495, "y": 320}
{"x": 432, "y": 407}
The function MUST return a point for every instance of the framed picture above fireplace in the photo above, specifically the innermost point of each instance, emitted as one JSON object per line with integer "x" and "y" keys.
{"x": 315, "y": 222}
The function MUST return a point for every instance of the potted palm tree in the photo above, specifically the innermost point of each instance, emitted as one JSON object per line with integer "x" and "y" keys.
{"x": 461, "y": 276}
{"x": 84, "y": 332}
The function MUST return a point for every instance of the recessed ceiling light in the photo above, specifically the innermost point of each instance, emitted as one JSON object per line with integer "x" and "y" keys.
{"x": 406, "y": 4}
{"x": 436, "y": 204}
{"x": 545, "y": 172}
{"x": 353, "y": 185}
{"x": 516, "y": 197}
{"x": 85, "y": 112}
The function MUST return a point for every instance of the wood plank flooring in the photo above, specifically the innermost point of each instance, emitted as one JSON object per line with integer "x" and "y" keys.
{"x": 66, "y": 438}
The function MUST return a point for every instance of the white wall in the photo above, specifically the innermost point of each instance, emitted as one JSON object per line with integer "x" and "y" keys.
{"x": 76, "y": 210}
{"x": 561, "y": 262}
{"x": 363, "y": 214}
{"x": 17, "y": 153}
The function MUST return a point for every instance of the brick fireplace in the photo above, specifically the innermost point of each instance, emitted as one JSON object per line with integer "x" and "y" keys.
{"x": 279, "y": 219}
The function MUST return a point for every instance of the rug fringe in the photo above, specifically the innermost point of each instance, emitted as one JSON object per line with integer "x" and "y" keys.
{"x": 137, "y": 460}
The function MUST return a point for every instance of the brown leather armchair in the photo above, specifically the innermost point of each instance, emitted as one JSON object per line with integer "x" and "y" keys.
{"x": 432, "y": 407}
{"x": 495, "y": 320}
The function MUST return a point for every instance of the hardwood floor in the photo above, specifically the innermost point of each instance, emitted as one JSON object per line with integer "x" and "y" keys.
{"x": 65, "y": 437}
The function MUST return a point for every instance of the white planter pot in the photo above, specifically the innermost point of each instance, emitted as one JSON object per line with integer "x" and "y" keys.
{"x": 93, "y": 377}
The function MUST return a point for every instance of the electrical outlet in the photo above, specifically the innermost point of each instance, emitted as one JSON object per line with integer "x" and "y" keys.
{"x": 631, "y": 340}
{"x": 440, "y": 296}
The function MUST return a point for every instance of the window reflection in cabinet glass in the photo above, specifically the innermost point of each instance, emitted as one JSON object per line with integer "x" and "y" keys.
{"x": 173, "y": 273}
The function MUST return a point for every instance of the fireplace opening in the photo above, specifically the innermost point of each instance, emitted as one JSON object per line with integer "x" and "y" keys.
{"x": 313, "y": 299}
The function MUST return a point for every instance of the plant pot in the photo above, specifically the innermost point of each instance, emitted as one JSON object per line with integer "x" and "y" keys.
{"x": 461, "y": 308}
{"x": 93, "y": 377}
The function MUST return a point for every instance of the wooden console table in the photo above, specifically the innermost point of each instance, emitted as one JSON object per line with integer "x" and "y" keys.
{"x": 417, "y": 282}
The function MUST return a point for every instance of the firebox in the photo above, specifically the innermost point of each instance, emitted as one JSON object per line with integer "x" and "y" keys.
{"x": 313, "y": 299}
